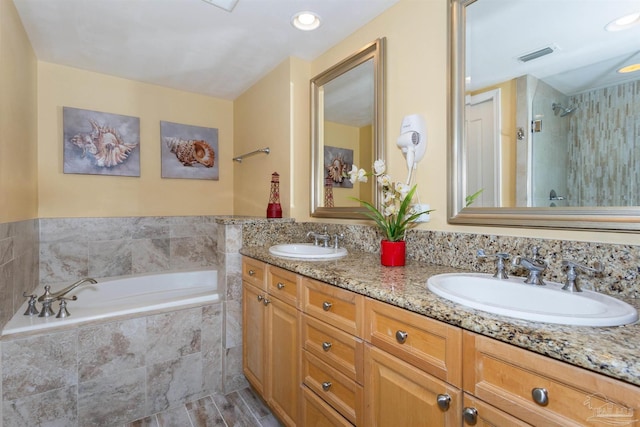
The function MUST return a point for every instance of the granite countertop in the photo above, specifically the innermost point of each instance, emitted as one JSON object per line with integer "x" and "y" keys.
{"x": 612, "y": 351}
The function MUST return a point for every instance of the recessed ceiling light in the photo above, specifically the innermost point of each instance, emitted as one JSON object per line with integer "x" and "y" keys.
{"x": 305, "y": 21}
{"x": 624, "y": 22}
{"x": 227, "y": 5}
{"x": 629, "y": 68}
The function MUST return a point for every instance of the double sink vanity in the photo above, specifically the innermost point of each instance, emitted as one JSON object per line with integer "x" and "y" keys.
{"x": 349, "y": 342}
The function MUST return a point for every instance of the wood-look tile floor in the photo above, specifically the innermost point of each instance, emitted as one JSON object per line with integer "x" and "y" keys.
{"x": 237, "y": 409}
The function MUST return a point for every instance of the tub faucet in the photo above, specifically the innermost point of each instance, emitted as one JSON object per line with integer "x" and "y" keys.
{"x": 534, "y": 265}
{"x": 49, "y": 297}
{"x": 571, "y": 284}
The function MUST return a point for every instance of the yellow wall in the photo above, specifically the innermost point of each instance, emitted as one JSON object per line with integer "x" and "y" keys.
{"x": 72, "y": 195}
{"x": 18, "y": 115}
{"x": 274, "y": 113}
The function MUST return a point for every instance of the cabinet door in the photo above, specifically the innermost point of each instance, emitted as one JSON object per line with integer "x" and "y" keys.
{"x": 254, "y": 320}
{"x": 398, "y": 394}
{"x": 283, "y": 350}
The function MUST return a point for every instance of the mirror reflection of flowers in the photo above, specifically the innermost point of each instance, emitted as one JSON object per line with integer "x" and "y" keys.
{"x": 397, "y": 215}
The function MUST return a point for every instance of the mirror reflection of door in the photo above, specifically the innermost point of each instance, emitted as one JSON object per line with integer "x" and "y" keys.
{"x": 482, "y": 163}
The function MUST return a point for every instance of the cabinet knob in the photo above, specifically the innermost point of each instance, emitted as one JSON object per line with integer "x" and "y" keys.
{"x": 280, "y": 285}
{"x": 260, "y": 297}
{"x": 540, "y": 396}
{"x": 326, "y": 346}
{"x": 443, "y": 400}
{"x": 251, "y": 272}
{"x": 266, "y": 301}
{"x": 326, "y": 385}
{"x": 326, "y": 306}
{"x": 470, "y": 416}
{"x": 401, "y": 336}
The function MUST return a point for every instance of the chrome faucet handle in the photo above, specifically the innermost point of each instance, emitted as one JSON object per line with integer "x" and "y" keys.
{"x": 500, "y": 259}
{"x": 571, "y": 283}
{"x": 63, "y": 312}
{"x": 336, "y": 238}
{"x": 32, "y": 310}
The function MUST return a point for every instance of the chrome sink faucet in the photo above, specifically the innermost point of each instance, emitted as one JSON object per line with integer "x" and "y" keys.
{"x": 571, "y": 284}
{"x": 534, "y": 265}
{"x": 318, "y": 237}
{"x": 500, "y": 257}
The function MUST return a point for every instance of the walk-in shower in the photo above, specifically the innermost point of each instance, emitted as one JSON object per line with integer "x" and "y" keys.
{"x": 562, "y": 110}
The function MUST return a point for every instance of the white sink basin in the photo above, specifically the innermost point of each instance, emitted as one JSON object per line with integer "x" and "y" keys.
{"x": 514, "y": 298}
{"x": 307, "y": 251}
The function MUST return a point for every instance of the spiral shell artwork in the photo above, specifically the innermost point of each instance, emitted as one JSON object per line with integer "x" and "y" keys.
{"x": 190, "y": 152}
{"x": 104, "y": 144}
{"x": 337, "y": 169}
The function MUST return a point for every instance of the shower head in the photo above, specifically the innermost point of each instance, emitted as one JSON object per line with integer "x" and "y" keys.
{"x": 561, "y": 110}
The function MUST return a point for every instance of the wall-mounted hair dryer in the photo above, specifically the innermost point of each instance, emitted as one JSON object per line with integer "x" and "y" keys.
{"x": 413, "y": 140}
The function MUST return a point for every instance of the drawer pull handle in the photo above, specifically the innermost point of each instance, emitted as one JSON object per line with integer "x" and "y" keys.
{"x": 280, "y": 285}
{"x": 401, "y": 336}
{"x": 326, "y": 346}
{"x": 470, "y": 416}
{"x": 540, "y": 396}
{"x": 260, "y": 298}
{"x": 326, "y": 306}
{"x": 326, "y": 385}
{"x": 266, "y": 302}
{"x": 251, "y": 272}
{"x": 443, "y": 400}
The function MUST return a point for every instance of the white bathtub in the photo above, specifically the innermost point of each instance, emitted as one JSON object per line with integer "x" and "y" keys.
{"x": 126, "y": 295}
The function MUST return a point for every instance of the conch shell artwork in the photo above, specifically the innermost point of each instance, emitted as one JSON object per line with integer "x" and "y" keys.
{"x": 104, "y": 144}
{"x": 190, "y": 152}
{"x": 337, "y": 169}
{"x": 337, "y": 162}
{"x": 100, "y": 143}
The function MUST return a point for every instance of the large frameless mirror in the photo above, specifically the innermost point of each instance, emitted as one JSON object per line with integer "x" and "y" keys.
{"x": 347, "y": 127}
{"x": 544, "y": 124}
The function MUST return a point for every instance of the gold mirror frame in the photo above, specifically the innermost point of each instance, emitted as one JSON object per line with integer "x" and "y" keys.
{"x": 374, "y": 51}
{"x": 625, "y": 219}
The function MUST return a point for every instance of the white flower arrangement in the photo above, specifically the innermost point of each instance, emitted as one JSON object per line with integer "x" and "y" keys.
{"x": 396, "y": 217}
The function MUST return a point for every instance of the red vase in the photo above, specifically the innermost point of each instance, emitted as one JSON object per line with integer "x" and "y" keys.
{"x": 392, "y": 254}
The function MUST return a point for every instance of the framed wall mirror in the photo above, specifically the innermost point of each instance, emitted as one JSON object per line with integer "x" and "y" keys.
{"x": 544, "y": 120}
{"x": 347, "y": 127}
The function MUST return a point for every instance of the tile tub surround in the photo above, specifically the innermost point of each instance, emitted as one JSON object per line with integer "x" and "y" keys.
{"x": 612, "y": 351}
{"x": 18, "y": 264}
{"x": 112, "y": 373}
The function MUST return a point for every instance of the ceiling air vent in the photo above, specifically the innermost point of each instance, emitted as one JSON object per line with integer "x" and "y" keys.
{"x": 536, "y": 54}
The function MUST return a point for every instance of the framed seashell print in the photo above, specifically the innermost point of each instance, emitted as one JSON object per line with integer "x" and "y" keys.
{"x": 97, "y": 143}
{"x": 337, "y": 163}
{"x": 189, "y": 152}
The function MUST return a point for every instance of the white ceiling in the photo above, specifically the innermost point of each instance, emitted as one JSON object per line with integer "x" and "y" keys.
{"x": 585, "y": 57}
{"x": 187, "y": 44}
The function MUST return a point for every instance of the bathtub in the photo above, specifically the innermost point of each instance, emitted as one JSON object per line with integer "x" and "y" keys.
{"x": 122, "y": 296}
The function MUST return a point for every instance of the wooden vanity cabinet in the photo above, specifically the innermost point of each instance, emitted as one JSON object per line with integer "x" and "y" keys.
{"x": 543, "y": 391}
{"x": 270, "y": 337}
{"x": 413, "y": 369}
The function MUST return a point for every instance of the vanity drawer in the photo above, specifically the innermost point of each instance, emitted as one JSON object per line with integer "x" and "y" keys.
{"x": 317, "y": 413}
{"x": 338, "y": 307}
{"x": 428, "y": 344}
{"x": 283, "y": 285}
{"x": 487, "y": 415}
{"x": 254, "y": 272}
{"x": 339, "y": 391}
{"x": 342, "y": 351}
{"x": 507, "y": 377}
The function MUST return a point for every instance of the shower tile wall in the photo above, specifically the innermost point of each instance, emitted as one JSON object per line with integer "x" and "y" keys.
{"x": 604, "y": 147}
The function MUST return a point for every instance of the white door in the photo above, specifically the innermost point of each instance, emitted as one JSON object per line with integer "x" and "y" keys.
{"x": 482, "y": 162}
